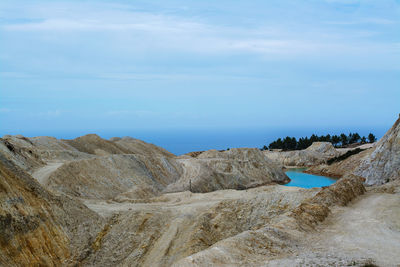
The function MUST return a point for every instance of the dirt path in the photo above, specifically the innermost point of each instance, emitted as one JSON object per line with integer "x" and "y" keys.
{"x": 368, "y": 228}
{"x": 365, "y": 232}
{"x": 161, "y": 247}
{"x": 184, "y": 202}
{"x": 42, "y": 174}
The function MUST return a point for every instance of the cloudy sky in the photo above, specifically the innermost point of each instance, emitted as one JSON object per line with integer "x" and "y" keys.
{"x": 95, "y": 65}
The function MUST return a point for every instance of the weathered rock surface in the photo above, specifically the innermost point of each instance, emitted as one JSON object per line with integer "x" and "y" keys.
{"x": 127, "y": 169}
{"x": 383, "y": 164}
{"x": 284, "y": 235}
{"x": 322, "y": 147}
{"x": 94, "y": 144}
{"x": 108, "y": 176}
{"x": 317, "y": 153}
{"x": 237, "y": 168}
{"x": 20, "y": 151}
{"x": 340, "y": 168}
{"x": 136, "y": 146}
{"x": 109, "y": 203}
{"x": 378, "y": 165}
{"x": 132, "y": 177}
{"x": 38, "y": 228}
{"x": 176, "y": 225}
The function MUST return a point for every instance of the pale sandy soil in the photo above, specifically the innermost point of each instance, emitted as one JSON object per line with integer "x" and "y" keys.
{"x": 43, "y": 173}
{"x": 184, "y": 202}
{"x": 364, "y": 146}
{"x": 368, "y": 228}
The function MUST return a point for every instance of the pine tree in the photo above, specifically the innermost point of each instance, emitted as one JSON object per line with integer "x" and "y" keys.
{"x": 343, "y": 139}
{"x": 354, "y": 138}
{"x": 335, "y": 140}
{"x": 363, "y": 140}
{"x": 371, "y": 138}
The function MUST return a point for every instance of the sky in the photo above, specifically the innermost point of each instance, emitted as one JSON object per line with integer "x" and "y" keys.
{"x": 123, "y": 66}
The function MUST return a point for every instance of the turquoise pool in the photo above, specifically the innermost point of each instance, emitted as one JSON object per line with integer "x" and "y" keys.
{"x": 305, "y": 180}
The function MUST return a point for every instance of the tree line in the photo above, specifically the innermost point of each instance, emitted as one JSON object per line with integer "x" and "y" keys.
{"x": 342, "y": 140}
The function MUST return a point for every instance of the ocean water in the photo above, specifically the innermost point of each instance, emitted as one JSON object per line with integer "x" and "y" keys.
{"x": 305, "y": 180}
{"x": 181, "y": 141}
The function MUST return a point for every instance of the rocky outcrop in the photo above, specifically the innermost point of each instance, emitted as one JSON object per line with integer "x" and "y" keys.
{"x": 383, "y": 164}
{"x": 38, "y": 228}
{"x": 238, "y": 168}
{"x": 340, "y": 168}
{"x": 284, "y": 233}
{"x": 174, "y": 226}
{"x": 316, "y": 209}
{"x": 153, "y": 235}
{"x": 378, "y": 164}
{"x": 322, "y": 147}
{"x": 317, "y": 153}
{"x": 127, "y": 169}
{"x": 20, "y": 150}
{"x": 109, "y": 203}
{"x": 149, "y": 171}
{"x": 94, "y": 144}
{"x": 109, "y": 176}
{"x": 136, "y": 146}
{"x": 28, "y": 230}
{"x": 133, "y": 177}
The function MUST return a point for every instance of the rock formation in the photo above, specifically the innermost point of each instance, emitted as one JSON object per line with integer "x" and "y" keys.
{"x": 127, "y": 169}
{"x": 136, "y": 146}
{"x": 378, "y": 165}
{"x": 124, "y": 202}
{"x": 383, "y": 163}
{"x": 39, "y": 228}
{"x": 283, "y": 235}
{"x": 178, "y": 225}
{"x": 340, "y": 168}
{"x": 19, "y": 150}
{"x": 108, "y": 176}
{"x": 233, "y": 169}
{"x": 317, "y": 153}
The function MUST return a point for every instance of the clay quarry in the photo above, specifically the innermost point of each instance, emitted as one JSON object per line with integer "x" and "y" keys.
{"x": 124, "y": 202}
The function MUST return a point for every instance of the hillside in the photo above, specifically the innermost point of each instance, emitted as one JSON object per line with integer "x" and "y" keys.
{"x": 378, "y": 164}
{"x": 125, "y": 202}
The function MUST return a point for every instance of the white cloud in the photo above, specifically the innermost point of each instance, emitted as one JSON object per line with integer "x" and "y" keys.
{"x": 174, "y": 33}
{"x": 132, "y": 32}
{"x": 147, "y": 24}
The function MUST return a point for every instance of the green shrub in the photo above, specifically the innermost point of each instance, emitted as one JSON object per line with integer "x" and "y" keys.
{"x": 344, "y": 156}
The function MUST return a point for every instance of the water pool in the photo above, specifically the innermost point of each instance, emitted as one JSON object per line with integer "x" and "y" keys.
{"x": 305, "y": 180}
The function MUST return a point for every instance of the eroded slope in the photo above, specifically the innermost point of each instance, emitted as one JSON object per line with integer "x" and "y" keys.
{"x": 378, "y": 165}
{"x": 38, "y": 228}
{"x": 173, "y": 226}
{"x": 317, "y": 153}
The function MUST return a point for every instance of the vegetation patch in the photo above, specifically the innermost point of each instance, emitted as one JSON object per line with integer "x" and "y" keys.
{"x": 342, "y": 140}
{"x": 344, "y": 156}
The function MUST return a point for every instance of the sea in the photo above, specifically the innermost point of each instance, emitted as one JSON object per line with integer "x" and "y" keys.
{"x": 181, "y": 141}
